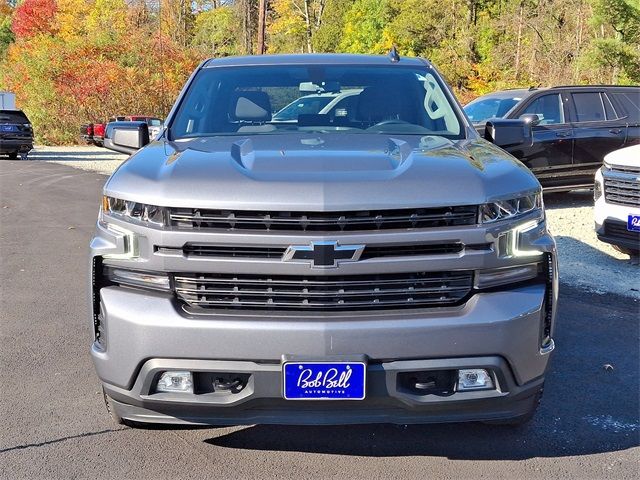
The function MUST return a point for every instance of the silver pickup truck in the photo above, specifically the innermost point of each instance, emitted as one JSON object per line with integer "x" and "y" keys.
{"x": 380, "y": 262}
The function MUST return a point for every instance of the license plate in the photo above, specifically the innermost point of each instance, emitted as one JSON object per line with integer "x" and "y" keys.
{"x": 8, "y": 128}
{"x": 633, "y": 223}
{"x": 324, "y": 380}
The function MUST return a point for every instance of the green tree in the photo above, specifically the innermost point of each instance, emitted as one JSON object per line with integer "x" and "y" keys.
{"x": 364, "y": 27}
{"x": 620, "y": 50}
{"x": 216, "y": 32}
{"x": 329, "y": 33}
{"x": 6, "y": 35}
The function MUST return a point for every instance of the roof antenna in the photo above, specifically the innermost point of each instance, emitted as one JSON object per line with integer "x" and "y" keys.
{"x": 393, "y": 54}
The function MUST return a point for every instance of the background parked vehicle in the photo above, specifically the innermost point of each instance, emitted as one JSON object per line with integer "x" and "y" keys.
{"x": 86, "y": 132}
{"x": 617, "y": 200}
{"x": 336, "y": 104}
{"x": 574, "y": 127}
{"x": 98, "y": 134}
{"x": 16, "y": 134}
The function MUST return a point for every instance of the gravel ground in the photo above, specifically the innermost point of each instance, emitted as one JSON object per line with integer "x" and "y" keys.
{"x": 87, "y": 157}
{"x": 585, "y": 262}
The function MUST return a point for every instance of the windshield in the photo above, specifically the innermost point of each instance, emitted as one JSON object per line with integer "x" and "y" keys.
{"x": 482, "y": 109}
{"x": 381, "y": 99}
{"x": 13, "y": 116}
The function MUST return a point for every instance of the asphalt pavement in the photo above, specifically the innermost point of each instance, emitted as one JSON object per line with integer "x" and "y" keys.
{"x": 54, "y": 425}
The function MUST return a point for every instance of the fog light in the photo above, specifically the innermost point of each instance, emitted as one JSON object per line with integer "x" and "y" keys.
{"x": 175, "y": 382}
{"x": 474, "y": 379}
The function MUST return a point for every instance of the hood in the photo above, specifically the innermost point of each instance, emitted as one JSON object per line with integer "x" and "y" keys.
{"x": 319, "y": 172}
{"x": 625, "y": 157}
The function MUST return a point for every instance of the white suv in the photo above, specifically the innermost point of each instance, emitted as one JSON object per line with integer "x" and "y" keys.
{"x": 617, "y": 200}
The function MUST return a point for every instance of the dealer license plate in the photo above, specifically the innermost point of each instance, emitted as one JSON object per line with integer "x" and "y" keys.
{"x": 633, "y": 223}
{"x": 324, "y": 380}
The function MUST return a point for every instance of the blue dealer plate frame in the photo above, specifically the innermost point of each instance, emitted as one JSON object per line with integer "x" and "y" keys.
{"x": 317, "y": 380}
{"x": 633, "y": 223}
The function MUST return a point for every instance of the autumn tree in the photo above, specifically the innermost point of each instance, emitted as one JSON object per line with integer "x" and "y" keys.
{"x": 33, "y": 17}
{"x": 6, "y": 35}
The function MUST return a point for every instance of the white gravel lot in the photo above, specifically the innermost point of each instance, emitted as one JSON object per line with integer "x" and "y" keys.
{"x": 585, "y": 262}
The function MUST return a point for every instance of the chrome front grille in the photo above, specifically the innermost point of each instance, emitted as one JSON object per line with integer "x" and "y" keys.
{"x": 239, "y": 220}
{"x": 625, "y": 169}
{"x": 622, "y": 189}
{"x": 370, "y": 251}
{"x": 325, "y": 293}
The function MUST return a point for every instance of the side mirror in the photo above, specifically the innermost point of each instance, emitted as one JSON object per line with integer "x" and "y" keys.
{"x": 530, "y": 118}
{"x": 508, "y": 133}
{"x": 126, "y": 137}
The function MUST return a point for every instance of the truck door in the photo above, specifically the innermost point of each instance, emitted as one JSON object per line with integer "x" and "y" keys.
{"x": 597, "y": 131}
{"x": 550, "y": 155}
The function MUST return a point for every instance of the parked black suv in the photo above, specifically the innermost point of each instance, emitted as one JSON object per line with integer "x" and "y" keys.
{"x": 575, "y": 127}
{"x": 16, "y": 134}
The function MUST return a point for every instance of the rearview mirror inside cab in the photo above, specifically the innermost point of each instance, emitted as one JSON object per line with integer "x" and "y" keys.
{"x": 126, "y": 137}
{"x": 508, "y": 132}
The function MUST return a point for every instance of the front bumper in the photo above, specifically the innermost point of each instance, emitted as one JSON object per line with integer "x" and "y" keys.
{"x": 611, "y": 221}
{"x": 146, "y": 334}
{"x": 261, "y": 401}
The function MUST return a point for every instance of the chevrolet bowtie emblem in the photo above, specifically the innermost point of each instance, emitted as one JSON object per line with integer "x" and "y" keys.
{"x": 323, "y": 254}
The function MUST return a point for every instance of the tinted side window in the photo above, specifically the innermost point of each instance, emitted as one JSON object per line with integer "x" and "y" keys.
{"x": 589, "y": 107}
{"x": 548, "y": 108}
{"x": 608, "y": 107}
{"x": 631, "y": 103}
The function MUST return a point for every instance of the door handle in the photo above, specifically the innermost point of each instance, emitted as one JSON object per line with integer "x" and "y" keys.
{"x": 615, "y": 131}
{"x": 563, "y": 134}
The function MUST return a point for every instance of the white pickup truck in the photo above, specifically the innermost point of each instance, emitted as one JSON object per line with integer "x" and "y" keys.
{"x": 617, "y": 200}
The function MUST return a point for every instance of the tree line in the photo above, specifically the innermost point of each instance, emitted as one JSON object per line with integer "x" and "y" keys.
{"x": 74, "y": 61}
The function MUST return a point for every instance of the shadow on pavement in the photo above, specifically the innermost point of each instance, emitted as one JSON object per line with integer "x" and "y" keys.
{"x": 574, "y": 198}
{"x": 77, "y": 154}
{"x": 587, "y": 408}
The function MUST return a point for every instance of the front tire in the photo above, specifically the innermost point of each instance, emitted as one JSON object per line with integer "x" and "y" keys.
{"x": 13, "y": 155}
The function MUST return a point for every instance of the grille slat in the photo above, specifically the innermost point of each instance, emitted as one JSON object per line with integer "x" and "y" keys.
{"x": 619, "y": 230}
{"x": 197, "y": 219}
{"x": 203, "y": 250}
{"x": 622, "y": 190}
{"x": 360, "y": 292}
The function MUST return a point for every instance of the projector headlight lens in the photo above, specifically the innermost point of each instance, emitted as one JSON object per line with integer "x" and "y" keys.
{"x": 134, "y": 211}
{"x": 510, "y": 209}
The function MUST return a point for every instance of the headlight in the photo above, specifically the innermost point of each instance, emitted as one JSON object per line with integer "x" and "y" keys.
{"x": 133, "y": 211}
{"x": 597, "y": 190}
{"x": 510, "y": 209}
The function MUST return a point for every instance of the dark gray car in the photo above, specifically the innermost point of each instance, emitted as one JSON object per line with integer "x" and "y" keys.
{"x": 381, "y": 265}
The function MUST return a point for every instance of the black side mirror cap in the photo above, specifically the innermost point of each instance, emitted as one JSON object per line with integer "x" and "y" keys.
{"x": 530, "y": 118}
{"x": 508, "y": 132}
{"x": 126, "y": 137}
